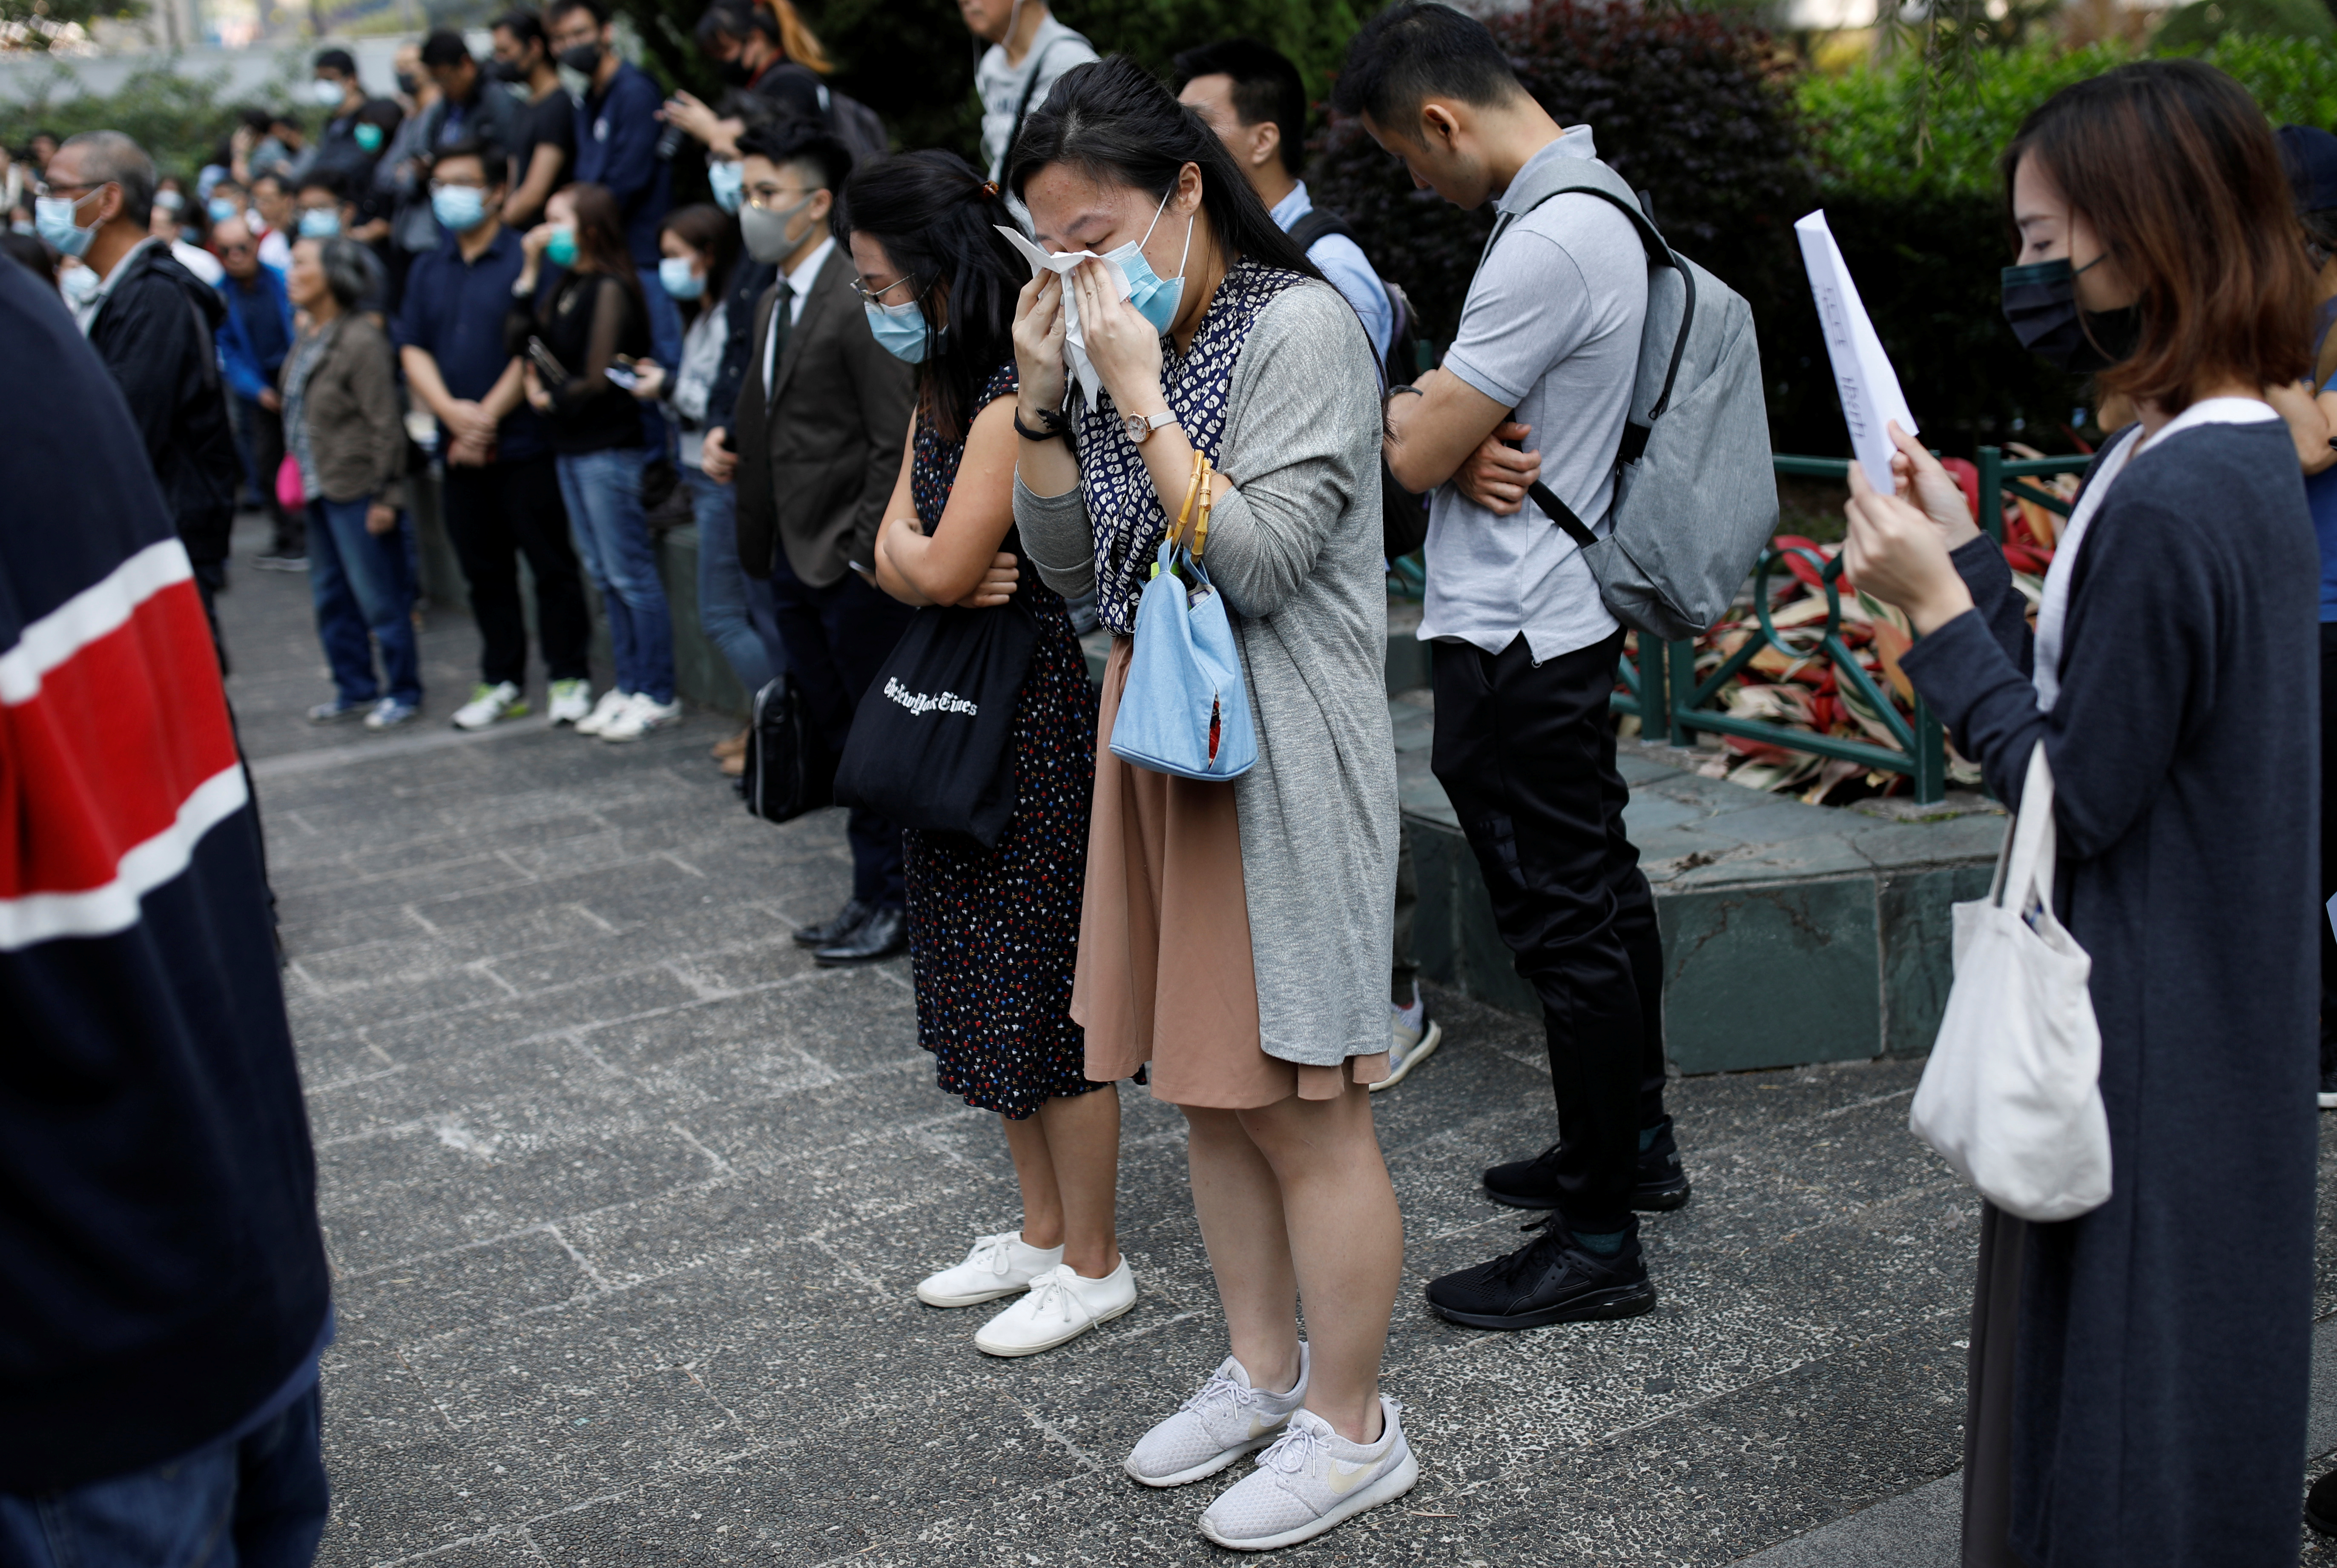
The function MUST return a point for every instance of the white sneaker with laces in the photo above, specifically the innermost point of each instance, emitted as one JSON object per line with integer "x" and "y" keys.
{"x": 1310, "y": 1481}
{"x": 1226, "y": 1419}
{"x": 1414, "y": 1037}
{"x": 612, "y": 703}
{"x": 1060, "y": 1307}
{"x": 490, "y": 703}
{"x": 1000, "y": 1265}
{"x": 643, "y": 714}
{"x": 572, "y": 700}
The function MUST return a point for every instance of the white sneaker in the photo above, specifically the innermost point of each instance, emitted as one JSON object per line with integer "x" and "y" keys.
{"x": 1000, "y": 1265}
{"x": 612, "y": 703}
{"x": 1060, "y": 1307}
{"x": 1414, "y": 1037}
{"x": 490, "y": 703}
{"x": 571, "y": 701}
{"x": 1309, "y": 1482}
{"x": 1226, "y": 1419}
{"x": 640, "y": 715}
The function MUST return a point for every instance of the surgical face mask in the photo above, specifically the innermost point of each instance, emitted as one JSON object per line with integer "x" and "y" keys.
{"x": 326, "y": 94}
{"x": 1155, "y": 298}
{"x": 319, "y": 223}
{"x": 368, "y": 137}
{"x": 408, "y": 83}
{"x": 460, "y": 207}
{"x": 561, "y": 248}
{"x": 734, "y": 71}
{"x": 728, "y": 179}
{"x": 52, "y": 218}
{"x": 22, "y": 226}
{"x": 170, "y": 201}
{"x": 507, "y": 71}
{"x": 900, "y": 329}
{"x": 676, "y": 277}
{"x": 584, "y": 59}
{"x": 79, "y": 284}
{"x": 764, "y": 230}
{"x": 221, "y": 209}
{"x": 2041, "y": 303}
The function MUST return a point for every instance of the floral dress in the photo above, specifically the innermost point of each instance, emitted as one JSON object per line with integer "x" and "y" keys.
{"x": 994, "y": 934}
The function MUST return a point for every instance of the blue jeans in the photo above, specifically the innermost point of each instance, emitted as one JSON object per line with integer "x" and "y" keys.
{"x": 722, "y": 588}
{"x": 258, "y": 1501}
{"x": 603, "y": 491}
{"x": 665, "y": 347}
{"x": 363, "y": 583}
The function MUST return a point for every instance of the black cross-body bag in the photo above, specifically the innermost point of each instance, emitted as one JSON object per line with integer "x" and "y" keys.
{"x": 933, "y": 741}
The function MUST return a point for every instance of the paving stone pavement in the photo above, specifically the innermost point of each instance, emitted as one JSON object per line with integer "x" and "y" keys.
{"x": 625, "y": 1201}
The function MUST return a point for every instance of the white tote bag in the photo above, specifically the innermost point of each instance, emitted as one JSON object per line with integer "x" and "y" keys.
{"x": 2012, "y": 1097}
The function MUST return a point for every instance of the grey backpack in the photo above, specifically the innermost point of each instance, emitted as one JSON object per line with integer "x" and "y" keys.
{"x": 1696, "y": 496}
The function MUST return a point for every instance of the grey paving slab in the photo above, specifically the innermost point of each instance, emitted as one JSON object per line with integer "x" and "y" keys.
{"x": 625, "y": 1200}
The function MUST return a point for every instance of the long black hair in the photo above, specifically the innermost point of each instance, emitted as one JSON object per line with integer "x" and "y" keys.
{"x": 937, "y": 219}
{"x": 1113, "y": 120}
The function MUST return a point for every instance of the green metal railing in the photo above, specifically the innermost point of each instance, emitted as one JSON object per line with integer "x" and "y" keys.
{"x": 1681, "y": 709}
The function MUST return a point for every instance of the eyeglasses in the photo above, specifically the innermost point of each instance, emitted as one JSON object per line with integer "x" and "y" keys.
{"x": 763, "y": 201}
{"x": 237, "y": 250}
{"x": 876, "y": 296}
{"x": 45, "y": 187}
{"x": 457, "y": 185}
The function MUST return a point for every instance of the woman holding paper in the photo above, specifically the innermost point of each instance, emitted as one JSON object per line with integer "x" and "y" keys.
{"x": 1235, "y": 934}
{"x": 2139, "y": 1374}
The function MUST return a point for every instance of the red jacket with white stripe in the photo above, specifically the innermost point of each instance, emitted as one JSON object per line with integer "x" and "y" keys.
{"x": 161, "y": 1273}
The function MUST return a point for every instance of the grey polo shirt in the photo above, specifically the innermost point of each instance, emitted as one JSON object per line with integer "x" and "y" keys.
{"x": 1550, "y": 329}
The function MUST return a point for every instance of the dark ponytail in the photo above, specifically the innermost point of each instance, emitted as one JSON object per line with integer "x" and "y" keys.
{"x": 937, "y": 219}
{"x": 1113, "y": 120}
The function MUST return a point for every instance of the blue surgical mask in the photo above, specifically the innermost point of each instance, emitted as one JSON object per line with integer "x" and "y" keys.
{"x": 676, "y": 277}
{"x": 221, "y": 209}
{"x": 368, "y": 138}
{"x": 560, "y": 249}
{"x": 900, "y": 329}
{"x": 52, "y": 216}
{"x": 460, "y": 207}
{"x": 79, "y": 284}
{"x": 319, "y": 223}
{"x": 326, "y": 94}
{"x": 728, "y": 179}
{"x": 1155, "y": 298}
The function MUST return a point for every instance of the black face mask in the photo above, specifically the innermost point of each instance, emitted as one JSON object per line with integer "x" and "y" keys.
{"x": 2041, "y": 302}
{"x": 585, "y": 57}
{"x": 733, "y": 71}
{"x": 410, "y": 85}
{"x": 507, "y": 71}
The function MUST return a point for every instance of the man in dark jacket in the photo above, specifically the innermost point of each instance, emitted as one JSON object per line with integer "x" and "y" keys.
{"x": 253, "y": 340}
{"x": 819, "y": 427}
{"x": 152, "y": 322}
{"x": 616, "y": 132}
{"x": 166, "y": 1294}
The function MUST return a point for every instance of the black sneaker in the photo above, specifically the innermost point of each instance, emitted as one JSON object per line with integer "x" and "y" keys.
{"x": 1552, "y": 1279}
{"x": 1658, "y": 1183}
{"x": 2320, "y": 1504}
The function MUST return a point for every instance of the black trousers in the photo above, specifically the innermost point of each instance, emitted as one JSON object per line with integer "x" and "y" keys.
{"x": 837, "y": 637}
{"x": 1526, "y": 752}
{"x": 2328, "y": 843}
{"x": 493, "y": 514}
{"x": 263, "y": 437}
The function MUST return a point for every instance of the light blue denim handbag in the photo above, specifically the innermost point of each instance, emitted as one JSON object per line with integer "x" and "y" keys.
{"x": 1185, "y": 709}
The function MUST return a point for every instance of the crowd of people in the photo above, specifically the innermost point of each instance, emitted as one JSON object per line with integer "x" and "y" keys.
{"x": 903, "y": 398}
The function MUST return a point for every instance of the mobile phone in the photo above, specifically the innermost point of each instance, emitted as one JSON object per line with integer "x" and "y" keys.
{"x": 620, "y": 375}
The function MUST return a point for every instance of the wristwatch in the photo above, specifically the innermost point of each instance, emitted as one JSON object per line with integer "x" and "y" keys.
{"x": 1140, "y": 425}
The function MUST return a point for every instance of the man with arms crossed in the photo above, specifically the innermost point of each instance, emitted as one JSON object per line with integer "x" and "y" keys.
{"x": 1525, "y": 650}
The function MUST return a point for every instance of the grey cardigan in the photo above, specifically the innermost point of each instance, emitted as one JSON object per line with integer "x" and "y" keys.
{"x": 1296, "y": 549}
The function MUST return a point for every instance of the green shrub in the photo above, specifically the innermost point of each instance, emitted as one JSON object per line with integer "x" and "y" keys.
{"x": 2201, "y": 23}
{"x": 179, "y": 119}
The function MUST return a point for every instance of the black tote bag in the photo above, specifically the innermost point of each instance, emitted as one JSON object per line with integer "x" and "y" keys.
{"x": 932, "y": 745}
{"x": 789, "y": 769}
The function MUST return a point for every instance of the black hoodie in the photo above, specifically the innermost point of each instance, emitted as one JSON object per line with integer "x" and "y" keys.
{"x": 155, "y": 333}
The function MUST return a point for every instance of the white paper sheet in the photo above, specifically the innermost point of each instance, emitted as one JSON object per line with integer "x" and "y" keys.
{"x": 1075, "y": 343}
{"x": 1871, "y": 395}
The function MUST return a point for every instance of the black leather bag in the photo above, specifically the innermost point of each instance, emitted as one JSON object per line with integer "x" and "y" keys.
{"x": 789, "y": 770}
{"x": 933, "y": 743}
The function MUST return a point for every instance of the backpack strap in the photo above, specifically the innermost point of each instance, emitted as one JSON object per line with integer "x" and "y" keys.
{"x": 1318, "y": 224}
{"x": 1031, "y": 89}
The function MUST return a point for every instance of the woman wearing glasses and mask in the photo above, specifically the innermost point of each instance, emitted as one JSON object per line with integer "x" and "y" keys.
{"x": 1235, "y": 934}
{"x": 2139, "y": 1374}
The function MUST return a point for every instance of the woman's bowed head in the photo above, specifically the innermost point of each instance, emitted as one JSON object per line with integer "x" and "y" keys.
{"x": 2138, "y": 202}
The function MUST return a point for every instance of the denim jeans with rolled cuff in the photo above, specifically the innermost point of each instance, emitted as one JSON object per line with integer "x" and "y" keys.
{"x": 362, "y": 586}
{"x": 603, "y": 491}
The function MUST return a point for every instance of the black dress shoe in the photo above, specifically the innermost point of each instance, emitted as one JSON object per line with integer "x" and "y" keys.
{"x": 1552, "y": 1279}
{"x": 2320, "y": 1504}
{"x": 1659, "y": 1183}
{"x": 883, "y": 935}
{"x": 848, "y": 920}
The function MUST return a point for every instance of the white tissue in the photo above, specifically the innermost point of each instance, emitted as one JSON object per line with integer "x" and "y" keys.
{"x": 1075, "y": 345}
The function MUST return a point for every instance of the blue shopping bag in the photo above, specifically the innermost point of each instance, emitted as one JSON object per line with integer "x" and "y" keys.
{"x": 1185, "y": 709}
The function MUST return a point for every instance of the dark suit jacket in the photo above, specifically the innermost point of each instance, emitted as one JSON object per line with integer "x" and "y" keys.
{"x": 818, "y": 459}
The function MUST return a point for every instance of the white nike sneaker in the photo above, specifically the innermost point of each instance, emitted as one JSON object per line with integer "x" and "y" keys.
{"x": 1226, "y": 1419}
{"x": 490, "y": 703}
{"x": 1060, "y": 1307}
{"x": 1310, "y": 1481}
{"x": 612, "y": 703}
{"x": 640, "y": 717}
{"x": 572, "y": 700}
{"x": 1000, "y": 1265}
{"x": 1414, "y": 1037}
